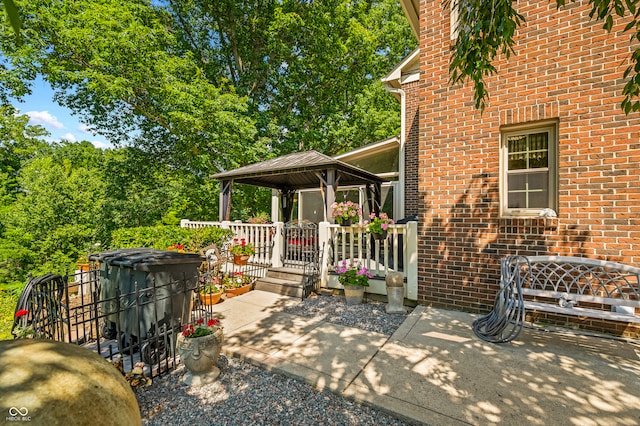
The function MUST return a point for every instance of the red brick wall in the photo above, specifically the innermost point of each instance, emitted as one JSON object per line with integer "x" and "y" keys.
{"x": 412, "y": 127}
{"x": 565, "y": 68}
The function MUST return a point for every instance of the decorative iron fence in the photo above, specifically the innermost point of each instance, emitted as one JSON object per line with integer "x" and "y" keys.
{"x": 126, "y": 315}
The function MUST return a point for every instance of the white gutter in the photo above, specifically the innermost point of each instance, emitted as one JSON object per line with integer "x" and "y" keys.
{"x": 400, "y": 208}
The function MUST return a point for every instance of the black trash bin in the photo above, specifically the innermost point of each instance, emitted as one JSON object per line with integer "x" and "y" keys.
{"x": 146, "y": 295}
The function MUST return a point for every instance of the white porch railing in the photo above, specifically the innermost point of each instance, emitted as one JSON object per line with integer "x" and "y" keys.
{"x": 398, "y": 252}
{"x": 260, "y": 235}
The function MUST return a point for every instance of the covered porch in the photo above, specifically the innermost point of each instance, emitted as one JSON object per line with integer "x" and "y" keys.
{"x": 398, "y": 252}
{"x": 294, "y": 240}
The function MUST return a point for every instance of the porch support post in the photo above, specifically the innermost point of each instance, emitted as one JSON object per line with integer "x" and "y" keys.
{"x": 286, "y": 201}
{"x": 224, "y": 205}
{"x": 330, "y": 184}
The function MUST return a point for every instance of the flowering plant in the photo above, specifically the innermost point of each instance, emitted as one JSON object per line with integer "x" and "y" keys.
{"x": 200, "y": 329}
{"x": 21, "y": 329}
{"x": 212, "y": 287}
{"x": 177, "y": 247}
{"x": 262, "y": 218}
{"x": 353, "y": 275}
{"x": 241, "y": 247}
{"x": 346, "y": 210}
{"x": 379, "y": 224}
{"x": 238, "y": 279}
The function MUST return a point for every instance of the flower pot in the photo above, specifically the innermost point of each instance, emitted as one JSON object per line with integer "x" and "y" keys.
{"x": 354, "y": 294}
{"x": 237, "y": 291}
{"x": 210, "y": 298}
{"x": 346, "y": 222}
{"x": 380, "y": 236}
{"x": 240, "y": 259}
{"x": 199, "y": 355}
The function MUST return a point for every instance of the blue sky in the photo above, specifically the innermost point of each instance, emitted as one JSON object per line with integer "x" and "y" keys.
{"x": 42, "y": 110}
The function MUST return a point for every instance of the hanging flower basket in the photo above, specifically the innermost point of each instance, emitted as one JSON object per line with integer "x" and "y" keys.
{"x": 380, "y": 235}
{"x": 346, "y": 213}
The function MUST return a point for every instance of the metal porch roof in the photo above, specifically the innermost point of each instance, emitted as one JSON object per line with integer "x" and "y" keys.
{"x": 299, "y": 170}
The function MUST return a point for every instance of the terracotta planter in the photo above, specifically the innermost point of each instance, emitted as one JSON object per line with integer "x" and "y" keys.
{"x": 240, "y": 259}
{"x": 237, "y": 291}
{"x": 380, "y": 236}
{"x": 210, "y": 298}
{"x": 354, "y": 294}
{"x": 199, "y": 355}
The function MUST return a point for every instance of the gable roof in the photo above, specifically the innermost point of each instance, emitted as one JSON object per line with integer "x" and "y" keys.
{"x": 412, "y": 11}
{"x": 299, "y": 170}
{"x": 405, "y": 72}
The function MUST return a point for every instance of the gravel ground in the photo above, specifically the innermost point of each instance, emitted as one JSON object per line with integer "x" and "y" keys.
{"x": 245, "y": 394}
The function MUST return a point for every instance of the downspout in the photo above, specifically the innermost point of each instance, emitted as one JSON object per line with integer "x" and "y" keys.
{"x": 401, "y": 171}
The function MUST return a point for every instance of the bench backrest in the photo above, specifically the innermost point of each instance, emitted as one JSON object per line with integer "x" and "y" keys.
{"x": 582, "y": 279}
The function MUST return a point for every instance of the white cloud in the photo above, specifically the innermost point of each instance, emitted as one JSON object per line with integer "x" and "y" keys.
{"x": 45, "y": 119}
{"x": 86, "y": 129}
{"x": 101, "y": 145}
{"x": 68, "y": 136}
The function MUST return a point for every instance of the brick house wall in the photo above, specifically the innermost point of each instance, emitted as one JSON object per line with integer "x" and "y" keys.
{"x": 566, "y": 68}
{"x": 412, "y": 123}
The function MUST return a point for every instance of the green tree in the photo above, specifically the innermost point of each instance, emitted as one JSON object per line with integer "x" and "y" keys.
{"x": 310, "y": 69}
{"x": 19, "y": 141}
{"x": 117, "y": 65}
{"x": 54, "y": 219}
{"x": 486, "y": 28}
{"x": 214, "y": 85}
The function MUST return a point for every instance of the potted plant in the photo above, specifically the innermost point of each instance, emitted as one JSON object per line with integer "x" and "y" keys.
{"x": 346, "y": 212}
{"x": 210, "y": 294}
{"x": 354, "y": 279}
{"x": 236, "y": 284}
{"x": 199, "y": 346}
{"x": 379, "y": 225}
{"x": 241, "y": 251}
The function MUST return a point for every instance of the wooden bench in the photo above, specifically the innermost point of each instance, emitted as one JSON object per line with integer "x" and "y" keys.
{"x": 562, "y": 285}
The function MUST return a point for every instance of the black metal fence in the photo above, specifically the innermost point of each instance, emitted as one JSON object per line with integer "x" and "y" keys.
{"x": 128, "y": 316}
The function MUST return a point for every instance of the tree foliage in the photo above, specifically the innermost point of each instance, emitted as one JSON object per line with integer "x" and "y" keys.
{"x": 486, "y": 28}
{"x": 213, "y": 85}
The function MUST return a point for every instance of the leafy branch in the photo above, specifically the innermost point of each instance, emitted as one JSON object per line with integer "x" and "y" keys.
{"x": 486, "y": 28}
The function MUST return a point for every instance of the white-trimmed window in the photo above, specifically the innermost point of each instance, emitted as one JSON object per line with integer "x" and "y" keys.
{"x": 529, "y": 169}
{"x": 453, "y": 18}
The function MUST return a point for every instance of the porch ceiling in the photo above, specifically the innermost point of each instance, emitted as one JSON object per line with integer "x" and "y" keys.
{"x": 299, "y": 170}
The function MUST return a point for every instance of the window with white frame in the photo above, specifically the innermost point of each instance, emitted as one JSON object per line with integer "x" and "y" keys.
{"x": 453, "y": 18}
{"x": 529, "y": 170}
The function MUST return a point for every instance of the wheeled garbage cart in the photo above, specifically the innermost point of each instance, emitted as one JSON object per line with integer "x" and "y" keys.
{"x": 146, "y": 296}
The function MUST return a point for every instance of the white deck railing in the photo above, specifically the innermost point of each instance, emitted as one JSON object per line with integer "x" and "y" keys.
{"x": 398, "y": 252}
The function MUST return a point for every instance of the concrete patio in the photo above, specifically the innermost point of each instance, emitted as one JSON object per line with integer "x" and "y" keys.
{"x": 434, "y": 370}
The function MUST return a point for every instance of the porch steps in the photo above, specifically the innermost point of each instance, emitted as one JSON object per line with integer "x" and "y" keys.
{"x": 285, "y": 281}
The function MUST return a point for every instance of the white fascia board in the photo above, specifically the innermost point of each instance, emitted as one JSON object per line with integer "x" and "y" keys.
{"x": 405, "y": 72}
{"x": 368, "y": 148}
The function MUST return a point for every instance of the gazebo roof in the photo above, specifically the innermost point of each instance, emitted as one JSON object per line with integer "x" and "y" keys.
{"x": 299, "y": 170}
